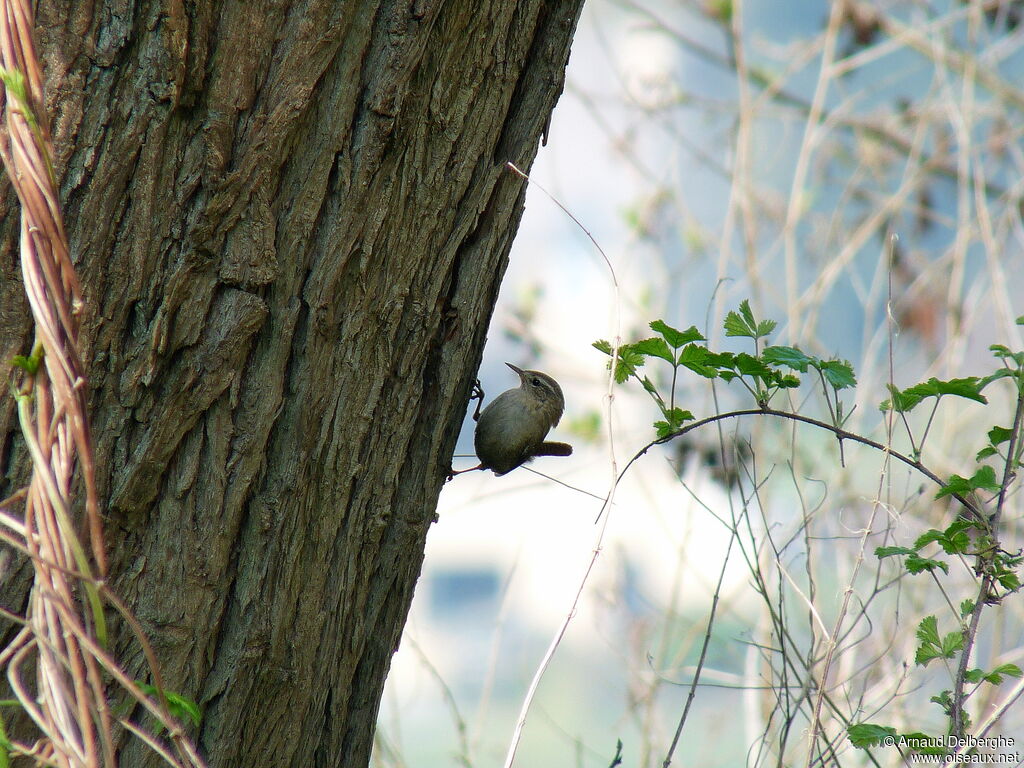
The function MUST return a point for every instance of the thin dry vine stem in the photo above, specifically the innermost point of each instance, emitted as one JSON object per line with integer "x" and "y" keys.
{"x": 64, "y": 632}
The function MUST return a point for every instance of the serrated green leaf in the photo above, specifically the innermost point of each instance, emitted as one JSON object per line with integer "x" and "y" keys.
{"x": 676, "y": 338}
{"x": 956, "y": 544}
{"x": 956, "y": 484}
{"x": 927, "y": 538}
{"x": 744, "y": 324}
{"x": 747, "y": 313}
{"x": 748, "y": 365}
{"x": 951, "y": 643}
{"x": 998, "y": 435}
{"x": 926, "y": 653}
{"x": 695, "y": 358}
{"x": 674, "y": 420}
{"x": 954, "y": 540}
{"x": 906, "y": 399}
{"x": 898, "y": 401}
{"x": 966, "y": 606}
{"x": 736, "y": 326}
{"x": 1002, "y": 373}
{"x": 602, "y": 346}
{"x": 677, "y": 416}
{"x": 1010, "y": 670}
{"x": 916, "y": 564}
{"x": 629, "y": 361}
{"x": 984, "y": 453}
{"x": 979, "y": 675}
{"x": 864, "y": 735}
{"x": 654, "y": 347}
{"x": 1009, "y": 580}
{"x": 974, "y": 675}
{"x": 790, "y": 357}
{"x": 838, "y": 373}
{"x": 889, "y": 551}
{"x": 968, "y": 388}
{"x": 720, "y": 360}
{"x": 960, "y": 525}
{"x": 984, "y": 479}
{"x": 928, "y": 630}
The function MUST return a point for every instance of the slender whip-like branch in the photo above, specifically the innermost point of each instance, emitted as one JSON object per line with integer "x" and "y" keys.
{"x": 970, "y": 507}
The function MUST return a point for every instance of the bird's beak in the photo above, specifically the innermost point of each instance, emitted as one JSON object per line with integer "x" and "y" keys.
{"x": 514, "y": 368}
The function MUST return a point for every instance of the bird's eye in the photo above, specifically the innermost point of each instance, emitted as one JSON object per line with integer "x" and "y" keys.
{"x": 535, "y": 381}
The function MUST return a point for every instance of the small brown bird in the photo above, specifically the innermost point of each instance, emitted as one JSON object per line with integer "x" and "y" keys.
{"x": 511, "y": 430}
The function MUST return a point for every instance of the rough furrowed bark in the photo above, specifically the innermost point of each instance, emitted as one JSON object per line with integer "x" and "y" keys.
{"x": 290, "y": 221}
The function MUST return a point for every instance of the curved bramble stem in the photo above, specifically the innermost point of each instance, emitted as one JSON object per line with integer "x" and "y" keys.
{"x": 972, "y": 509}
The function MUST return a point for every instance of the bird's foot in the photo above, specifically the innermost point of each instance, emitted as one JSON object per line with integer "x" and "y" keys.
{"x": 478, "y": 395}
{"x": 452, "y": 472}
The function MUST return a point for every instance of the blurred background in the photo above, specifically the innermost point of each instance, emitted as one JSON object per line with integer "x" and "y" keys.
{"x": 854, "y": 170}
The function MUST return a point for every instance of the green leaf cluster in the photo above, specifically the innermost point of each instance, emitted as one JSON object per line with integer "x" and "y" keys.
{"x": 996, "y": 437}
{"x": 1000, "y": 439}
{"x": 764, "y": 370}
{"x": 763, "y": 373}
{"x": 864, "y": 735}
{"x": 1003, "y": 568}
{"x": 994, "y": 676}
{"x": 982, "y": 480}
{"x": 932, "y": 646}
{"x": 743, "y": 323}
{"x": 904, "y": 400}
{"x": 679, "y": 349}
{"x": 954, "y": 540}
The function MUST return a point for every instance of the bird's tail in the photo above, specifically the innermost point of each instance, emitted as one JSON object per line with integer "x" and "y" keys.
{"x": 553, "y": 449}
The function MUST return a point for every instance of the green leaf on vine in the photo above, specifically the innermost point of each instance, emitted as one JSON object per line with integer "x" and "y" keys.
{"x": 984, "y": 479}
{"x": 905, "y": 400}
{"x": 742, "y": 323}
{"x": 675, "y": 338}
{"x": 917, "y": 564}
{"x": 654, "y": 347}
{"x": 791, "y": 357}
{"x": 838, "y": 373}
{"x": 863, "y": 735}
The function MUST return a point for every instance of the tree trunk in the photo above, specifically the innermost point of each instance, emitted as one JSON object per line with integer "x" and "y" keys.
{"x": 290, "y": 221}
